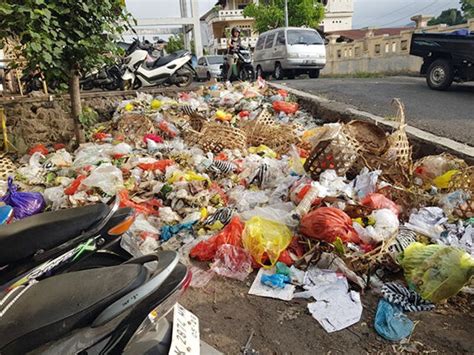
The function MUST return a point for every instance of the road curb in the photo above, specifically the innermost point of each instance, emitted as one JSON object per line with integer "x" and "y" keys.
{"x": 424, "y": 143}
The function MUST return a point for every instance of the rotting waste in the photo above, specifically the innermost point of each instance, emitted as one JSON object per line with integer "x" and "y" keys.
{"x": 239, "y": 177}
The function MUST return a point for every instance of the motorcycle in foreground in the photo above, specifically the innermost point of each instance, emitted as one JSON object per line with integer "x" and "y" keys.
{"x": 242, "y": 69}
{"x": 52, "y": 242}
{"x": 112, "y": 310}
{"x": 173, "y": 69}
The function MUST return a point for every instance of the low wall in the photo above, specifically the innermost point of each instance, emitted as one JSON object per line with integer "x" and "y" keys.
{"x": 392, "y": 64}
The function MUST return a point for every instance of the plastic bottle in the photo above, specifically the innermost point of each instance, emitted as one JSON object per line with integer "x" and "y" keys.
{"x": 305, "y": 204}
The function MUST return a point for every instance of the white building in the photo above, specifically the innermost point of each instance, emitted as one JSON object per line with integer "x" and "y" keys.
{"x": 338, "y": 15}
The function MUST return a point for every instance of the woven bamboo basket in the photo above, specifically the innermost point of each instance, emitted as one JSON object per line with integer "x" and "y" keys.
{"x": 464, "y": 181}
{"x": 371, "y": 137}
{"x": 257, "y": 133}
{"x": 338, "y": 153}
{"x": 216, "y": 137}
{"x": 134, "y": 126}
{"x": 399, "y": 148}
{"x": 265, "y": 117}
{"x": 281, "y": 138}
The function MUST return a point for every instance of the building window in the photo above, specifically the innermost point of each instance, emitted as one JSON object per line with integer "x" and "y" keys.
{"x": 357, "y": 51}
{"x": 387, "y": 48}
{"x": 241, "y": 4}
{"x": 339, "y": 53}
{"x": 404, "y": 45}
{"x": 394, "y": 47}
{"x": 377, "y": 49}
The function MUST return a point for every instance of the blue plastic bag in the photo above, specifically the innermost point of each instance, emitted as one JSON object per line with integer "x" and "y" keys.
{"x": 24, "y": 203}
{"x": 275, "y": 280}
{"x": 167, "y": 232}
{"x": 391, "y": 323}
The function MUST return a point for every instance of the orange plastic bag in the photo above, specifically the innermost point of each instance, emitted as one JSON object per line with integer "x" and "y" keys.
{"x": 327, "y": 224}
{"x": 40, "y": 148}
{"x": 231, "y": 234}
{"x": 378, "y": 201}
{"x": 148, "y": 207}
{"x": 286, "y": 107}
{"x": 160, "y": 165}
{"x": 72, "y": 189}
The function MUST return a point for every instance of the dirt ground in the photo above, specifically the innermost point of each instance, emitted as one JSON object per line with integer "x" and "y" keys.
{"x": 228, "y": 315}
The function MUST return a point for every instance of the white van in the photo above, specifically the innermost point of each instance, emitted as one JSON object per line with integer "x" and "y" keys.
{"x": 289, "y": 51}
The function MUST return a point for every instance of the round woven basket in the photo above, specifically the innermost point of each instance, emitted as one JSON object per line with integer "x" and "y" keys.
{"x": 216, "y": 137}
{"x": 134, "y": 126}
{"x": 371, "y": 137}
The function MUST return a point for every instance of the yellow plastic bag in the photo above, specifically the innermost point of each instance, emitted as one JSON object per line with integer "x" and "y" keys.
{"x": 262, "y": 236}
{"x": 263, "y": 150}
{"x": 437, "y": 272}
{"x": 442, "y": 181}
{"x": 189, "y": 175}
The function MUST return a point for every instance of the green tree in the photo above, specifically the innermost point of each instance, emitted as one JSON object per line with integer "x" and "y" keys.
{"x": 467, "y": 7}
{"x": 270, "y": 14}
{"x": 175, "y": 43}
{"x": 64, "y": 38}
{"x": 450, "y": 17}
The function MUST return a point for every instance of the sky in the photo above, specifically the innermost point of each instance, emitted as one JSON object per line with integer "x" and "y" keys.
{"x": 377, "y": 13}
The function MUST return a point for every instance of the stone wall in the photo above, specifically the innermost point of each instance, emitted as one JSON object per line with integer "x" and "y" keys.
{"x": 379, "y": 54}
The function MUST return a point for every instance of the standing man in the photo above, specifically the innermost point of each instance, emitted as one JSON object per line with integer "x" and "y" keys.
{"x": 234, "y": 45}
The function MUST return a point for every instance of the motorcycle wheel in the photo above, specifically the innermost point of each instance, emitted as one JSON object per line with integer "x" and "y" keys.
{"x": 113, "y": 86}
{"x": 245, "y": 75}
{"x": 189, "y": 78}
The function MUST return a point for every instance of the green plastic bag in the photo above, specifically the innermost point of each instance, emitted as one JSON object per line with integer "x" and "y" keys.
{"x": 263, "y": 237}
{"x": 436, "y": 272}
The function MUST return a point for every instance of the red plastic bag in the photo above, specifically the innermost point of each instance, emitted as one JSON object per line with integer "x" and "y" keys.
{"x": 72, "y": 189}
{"x": 148, "y": 207}
{"x": 231, "y": 234}
{"x": 378, "y": 201}
{"x": 153, "y": 137}
{"x": 286, "y": 107}
{"x": 232, "y": 261}
{"x": 39, "y": 148}
{"x": 328, "y": 223}
{"x": 160, "y": 165}
{"x": 283, "y": 93}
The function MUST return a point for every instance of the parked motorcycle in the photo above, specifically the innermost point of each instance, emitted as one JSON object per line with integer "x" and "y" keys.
{"x": 105, "y": 78}
{"x": 242, "y": 69}
{"x": 112, "y": 310}
{"x": 49, "y": 243}
{"x": 173, "y": 69}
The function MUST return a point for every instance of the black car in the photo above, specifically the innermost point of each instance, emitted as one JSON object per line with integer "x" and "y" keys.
{"x": 447, "y": 57}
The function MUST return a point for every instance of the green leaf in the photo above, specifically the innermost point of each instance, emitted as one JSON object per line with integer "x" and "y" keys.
{"x": 35, "y": 47}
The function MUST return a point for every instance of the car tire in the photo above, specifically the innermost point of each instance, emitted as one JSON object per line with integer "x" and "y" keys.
{"x": 278, "y": 72}
{"x": 291, "y": 74}
{"x": 314, "y": 74}
{"x": 208, "y": 76}
{"x": 259, "y": 72}
{"x": 440, "y": 75}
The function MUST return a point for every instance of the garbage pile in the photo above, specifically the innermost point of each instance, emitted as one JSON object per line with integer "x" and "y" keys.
{"x": 242, "y": 179}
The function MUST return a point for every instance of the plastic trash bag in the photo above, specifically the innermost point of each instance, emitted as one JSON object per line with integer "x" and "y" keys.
{"x": 427, "y": 221}
{"x": 24, "y": 203}
{"x": 391, "y": 323}
{"x": 366, "y": 182}
{"x": 378, "y": 201}
{"x": 263, "y": 237}
{"x": 286, "y": 107}
{"x": 386, "y": 225}
{"x": 231, "y": 234}
{"x": 106, "y": 177}
{"x": 436, "y": 272}
{"x": 55, "y": 196}
{"x": 328, "y": 223}
{"x": 232, "y": 261}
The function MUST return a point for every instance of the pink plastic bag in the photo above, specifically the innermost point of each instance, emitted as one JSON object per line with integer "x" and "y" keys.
{"x": 232, "y": 261}
{"x": 378, "y": 201}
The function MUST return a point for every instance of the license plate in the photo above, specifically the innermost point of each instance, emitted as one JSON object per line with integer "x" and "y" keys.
{"x": 185, "y": 338}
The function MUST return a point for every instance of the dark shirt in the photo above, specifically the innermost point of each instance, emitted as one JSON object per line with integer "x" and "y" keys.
{"x": 234, "y": 45}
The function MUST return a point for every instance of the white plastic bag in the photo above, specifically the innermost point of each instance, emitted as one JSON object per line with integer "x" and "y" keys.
{"x": 106, "y": 177}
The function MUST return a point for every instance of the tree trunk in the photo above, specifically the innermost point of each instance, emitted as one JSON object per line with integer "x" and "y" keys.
{"x": 75, "y": 94}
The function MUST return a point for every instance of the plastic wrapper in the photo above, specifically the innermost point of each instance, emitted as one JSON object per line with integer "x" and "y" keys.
{"x": 92, "y": 154}
{"x": 436, "y": 272}
{"x": 247, "y": 199}
{"x": 167, "y": 232}
{"x": 328, "y": 223}
{"x": 366, "y": 182}
{"x": 265, "y": 238}
{"x": 74, "y": 186}
{"x": 121, "y": 149}
{"x": 24, "y": 203}
{"x": 55, "y": 197}
{"x": 160, "y": 165}
{"x": 277, "y": 212}
{"x": 427, "y": 221}
{"x": 378, "y": 201}
{"x": 150, "y": 207}
{"x": 232, "y": 261}
{"x": 231, "y": 234}
{"x": 106, "y": 177}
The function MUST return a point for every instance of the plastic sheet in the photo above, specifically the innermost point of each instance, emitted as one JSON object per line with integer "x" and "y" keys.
{"x": 265, "y": 237}
{"x": 24, "y": 203}
{"x": 106, "y": 177}
{"x": 391, "y": 323}
{"x": 232, "y": 261}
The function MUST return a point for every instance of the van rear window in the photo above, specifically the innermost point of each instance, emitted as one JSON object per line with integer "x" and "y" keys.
{"x": 269, "y": 41}
{"x": 303, "y": 37}
{"x": 260, "y": 42}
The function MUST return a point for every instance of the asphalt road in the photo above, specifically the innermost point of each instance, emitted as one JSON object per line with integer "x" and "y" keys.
{"x": 448, "y": 114}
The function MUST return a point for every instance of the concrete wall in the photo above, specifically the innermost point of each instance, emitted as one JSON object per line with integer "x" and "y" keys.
{"x": 378, "y": 54}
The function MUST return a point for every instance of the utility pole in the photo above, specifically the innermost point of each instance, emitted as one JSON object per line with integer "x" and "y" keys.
{"x": 286, "y": 13}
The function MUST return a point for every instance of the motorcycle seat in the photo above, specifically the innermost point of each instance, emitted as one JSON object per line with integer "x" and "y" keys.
{"x": 161, "y": 61}
{"x": 40, "y": 315}
{"x": 25, "y": 237}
